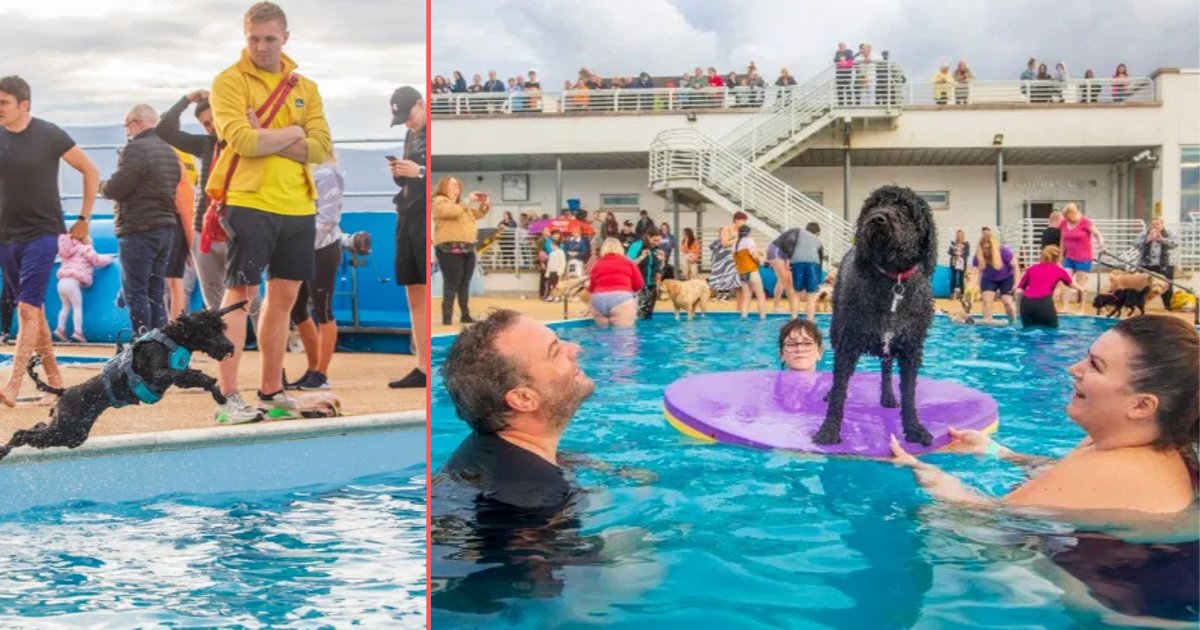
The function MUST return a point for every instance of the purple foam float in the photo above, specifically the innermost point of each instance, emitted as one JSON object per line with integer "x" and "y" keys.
{"x": 782, "y": 410}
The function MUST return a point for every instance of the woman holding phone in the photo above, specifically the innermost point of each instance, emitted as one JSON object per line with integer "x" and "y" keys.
{"x": 454, "y": 234}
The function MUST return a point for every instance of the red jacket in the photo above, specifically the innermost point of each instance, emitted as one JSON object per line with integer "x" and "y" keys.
{"x": 615, "y": 272}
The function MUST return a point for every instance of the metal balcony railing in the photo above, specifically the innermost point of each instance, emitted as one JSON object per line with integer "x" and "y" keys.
{"x": 873, "y": 85}
{"x": 1120, "y": 239}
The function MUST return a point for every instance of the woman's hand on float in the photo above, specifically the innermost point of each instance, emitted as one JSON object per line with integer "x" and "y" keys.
{"x": 967, "y": 441}
{"x": 937, "y": 482}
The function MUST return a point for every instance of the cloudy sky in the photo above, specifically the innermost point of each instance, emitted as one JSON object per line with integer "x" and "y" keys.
{"x": 89, "y": 60}
{"x": 666, "y": 37}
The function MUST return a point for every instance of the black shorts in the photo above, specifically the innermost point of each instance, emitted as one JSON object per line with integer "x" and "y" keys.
{"x": 177, "y": 263}
{"x": 279, "y": 244}
{"x": 1003, "y": 287}
{"x": 412, "y": 259}
{"x": 1039, "y": 312}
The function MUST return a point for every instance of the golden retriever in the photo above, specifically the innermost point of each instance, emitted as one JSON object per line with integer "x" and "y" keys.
{"x": 575, "y": 288}
{"x": 687, "y": 295}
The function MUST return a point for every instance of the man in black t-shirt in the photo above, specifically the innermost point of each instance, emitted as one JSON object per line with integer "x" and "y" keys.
{"x": 412, "y": 256}
{"x": 517, "y": 385}
{"x": 31, "y": 219}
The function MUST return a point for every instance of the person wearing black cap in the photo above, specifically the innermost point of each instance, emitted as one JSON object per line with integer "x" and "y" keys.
{"x": 408, "y": 109}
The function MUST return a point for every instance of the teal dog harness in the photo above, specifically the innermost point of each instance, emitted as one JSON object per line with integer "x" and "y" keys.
{"x": 178, "y": 361}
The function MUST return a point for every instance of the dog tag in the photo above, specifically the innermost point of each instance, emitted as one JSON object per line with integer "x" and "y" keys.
{"x": 897, "y": 295}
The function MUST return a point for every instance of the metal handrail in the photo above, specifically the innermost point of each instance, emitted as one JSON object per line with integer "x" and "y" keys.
{"x": 1085, "y": 91}
{"x": 689, "y": 158}
{"x": 863, "y": 84}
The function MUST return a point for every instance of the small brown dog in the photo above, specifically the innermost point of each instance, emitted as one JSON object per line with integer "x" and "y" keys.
{"x": 687, "y": 295}
{"x": 575, "y": 288}
{"x": 825, "y": 292}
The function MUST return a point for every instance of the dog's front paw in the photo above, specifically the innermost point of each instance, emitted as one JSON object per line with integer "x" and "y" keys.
{"x": 828, "y": 434}
{"x": 915, "y": 433}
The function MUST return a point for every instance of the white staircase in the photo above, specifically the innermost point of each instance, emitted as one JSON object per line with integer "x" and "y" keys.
{"x": 734, "y": 172}
{"x": 688, "y": 159}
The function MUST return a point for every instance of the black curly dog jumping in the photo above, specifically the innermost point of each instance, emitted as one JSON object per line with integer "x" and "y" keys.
{"x": 139, "y": 373}
{"x": 883, "y": 305}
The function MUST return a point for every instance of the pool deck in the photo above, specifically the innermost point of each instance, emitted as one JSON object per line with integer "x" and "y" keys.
{"x": 360, "y": 379}
{"x": 553, "y": 311}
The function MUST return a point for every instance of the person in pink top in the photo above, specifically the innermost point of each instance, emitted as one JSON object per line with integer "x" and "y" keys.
{"x": 614, "y": 282}
{"x": 79, "y": 260}
{"x": 1035, "y": 292}
{"x": 1078, "y": 232}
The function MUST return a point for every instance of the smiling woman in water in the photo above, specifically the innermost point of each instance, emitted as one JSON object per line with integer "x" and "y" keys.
{"x": 1135, "y": 395}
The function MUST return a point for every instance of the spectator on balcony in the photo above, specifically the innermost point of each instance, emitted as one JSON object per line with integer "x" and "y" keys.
{"x": 714, "y": 79}
{"x": 785, "y": 82}
{"x": 1078, "y": 232}
{"x": 1154, "y": 254}
{"x": 533, "y": 87}
{"x": 514, "y": 85}
{"x": 1089, "y": 90}
{"x": 758, "y": 87}
{"x": 741, "y": 94}
{"x": 1043, "y": 88}
{"x": 440, "y": 86}
{"x": 459, "y": 84}
{"x": 493, "y": 84}
{"x": 643, "y": 82}
{"x": 864, "y": 70}
{"x": 1061, "y": 79}
{"x": 690, "y": 249}
{"x": 476, "y": 85}
{"x": 843, "y": 61}
{"x": 1028, "y": 75}
{"x": 1120, "y": 84}
{"x": 943, "y": 82}
{"x": 962, "y": 83}
{"x": 889, "y": 82}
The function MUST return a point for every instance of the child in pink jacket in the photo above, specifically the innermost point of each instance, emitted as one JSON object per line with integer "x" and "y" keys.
{"x": 79, "y": 260}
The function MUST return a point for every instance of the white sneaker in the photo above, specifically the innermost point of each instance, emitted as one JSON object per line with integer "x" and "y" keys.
{"x": 236, "y": 411}
{"x": 280, "y": 406}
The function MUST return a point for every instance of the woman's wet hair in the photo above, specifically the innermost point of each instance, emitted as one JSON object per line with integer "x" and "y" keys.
{"x": 804, "y": 325}
{"x": 1167, "y": 365}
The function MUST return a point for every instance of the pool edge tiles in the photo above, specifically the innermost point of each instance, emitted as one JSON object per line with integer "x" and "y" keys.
{"x": 270, "y": 457}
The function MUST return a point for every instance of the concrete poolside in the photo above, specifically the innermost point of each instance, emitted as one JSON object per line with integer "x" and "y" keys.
{"x": 553, "y": 311}
{"x": 360, "y": 379}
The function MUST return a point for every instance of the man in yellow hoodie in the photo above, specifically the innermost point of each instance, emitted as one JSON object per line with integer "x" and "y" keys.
{"x": 270, "y": 199}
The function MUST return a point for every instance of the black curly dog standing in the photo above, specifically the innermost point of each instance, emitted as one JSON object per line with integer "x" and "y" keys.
{"x": 148, "y": 360}
{"x": 883, "y": 305}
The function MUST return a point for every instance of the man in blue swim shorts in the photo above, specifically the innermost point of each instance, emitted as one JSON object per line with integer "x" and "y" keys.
{"x": 31, "y": 219}
{"x": 806, "y": 270}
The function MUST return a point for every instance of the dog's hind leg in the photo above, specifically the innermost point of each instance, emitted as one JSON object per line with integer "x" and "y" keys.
{"x": 887, "y": 395}
{"x": 910, "y": 364}
{"x": 831, "y": 429}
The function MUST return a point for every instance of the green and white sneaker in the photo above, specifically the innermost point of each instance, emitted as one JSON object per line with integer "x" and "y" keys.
{"x": 236, "y": 411}
{"x": 279, "y": 406}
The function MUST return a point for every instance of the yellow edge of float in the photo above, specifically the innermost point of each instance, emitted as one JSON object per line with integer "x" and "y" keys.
{"x": 694, "y": 434}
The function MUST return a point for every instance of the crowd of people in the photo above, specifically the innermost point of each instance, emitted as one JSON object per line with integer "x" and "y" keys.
{"x": 268, "y": 203}
{"x": 861, "y": 79}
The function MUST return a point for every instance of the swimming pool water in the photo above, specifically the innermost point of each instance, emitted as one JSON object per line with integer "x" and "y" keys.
{"x": 319, "y": 556}
{"x": 728, "y": 537}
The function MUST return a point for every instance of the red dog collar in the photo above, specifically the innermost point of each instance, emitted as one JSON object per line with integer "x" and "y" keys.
{"x": 899, "y": 277}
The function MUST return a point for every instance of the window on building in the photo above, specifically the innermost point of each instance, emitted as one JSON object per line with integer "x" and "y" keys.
{"x": 937, "y": 200}
{"x": 1189, "y": 183}
{"x": 617, "y": 202}
{"x": 816, "y": 196}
